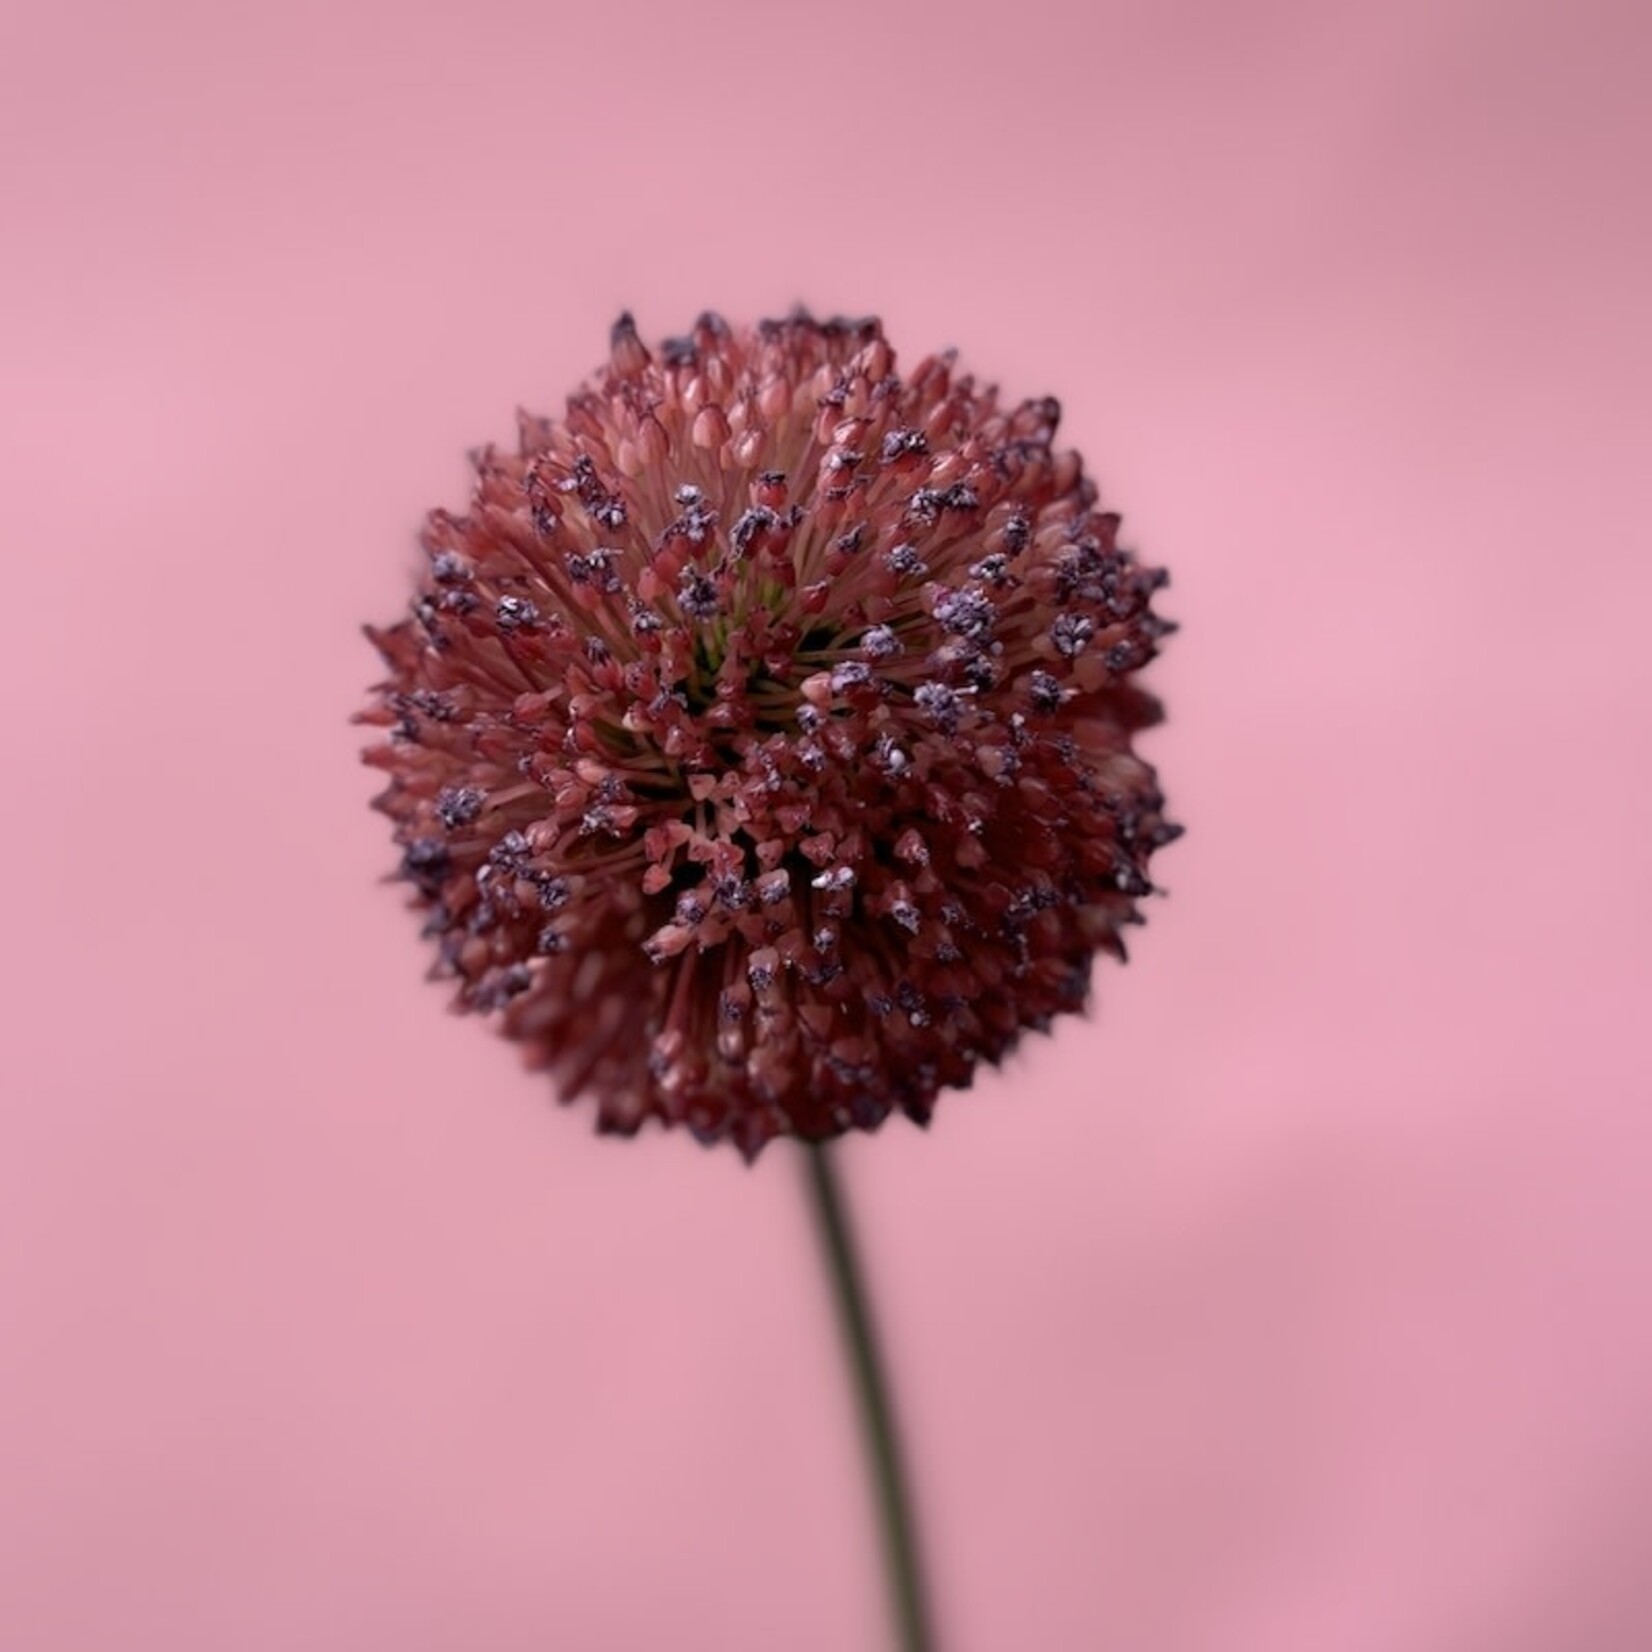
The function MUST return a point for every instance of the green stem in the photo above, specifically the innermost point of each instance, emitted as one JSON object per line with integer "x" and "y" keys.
{"x": 872, "y": 1394}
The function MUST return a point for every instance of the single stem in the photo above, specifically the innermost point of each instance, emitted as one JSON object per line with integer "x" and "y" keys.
{"x": 900, "y": 1546}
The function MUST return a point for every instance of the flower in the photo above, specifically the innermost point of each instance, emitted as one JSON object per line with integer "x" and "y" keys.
{"x": 760, "y": 741}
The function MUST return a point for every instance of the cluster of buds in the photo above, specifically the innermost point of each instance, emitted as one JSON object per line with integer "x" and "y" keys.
{"x": 760, "y": 740}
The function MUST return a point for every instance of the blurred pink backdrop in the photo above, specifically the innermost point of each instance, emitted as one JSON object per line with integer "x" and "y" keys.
{"x": 1298, "y": 1301}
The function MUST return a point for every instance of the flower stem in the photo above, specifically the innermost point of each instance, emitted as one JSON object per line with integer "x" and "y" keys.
{"x": 900, "y": 1546}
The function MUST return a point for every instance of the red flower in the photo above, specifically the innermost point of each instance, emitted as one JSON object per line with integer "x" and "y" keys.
{"x": 760, "y": 741}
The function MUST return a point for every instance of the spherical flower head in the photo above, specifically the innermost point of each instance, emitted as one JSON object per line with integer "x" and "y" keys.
{"x": 760, "y": 740}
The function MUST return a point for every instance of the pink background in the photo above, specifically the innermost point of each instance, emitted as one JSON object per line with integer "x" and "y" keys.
{"x": 1299, "y": 1302}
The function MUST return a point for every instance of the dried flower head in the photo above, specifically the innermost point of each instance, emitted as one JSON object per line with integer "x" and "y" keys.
{"x": 760, "y": 740}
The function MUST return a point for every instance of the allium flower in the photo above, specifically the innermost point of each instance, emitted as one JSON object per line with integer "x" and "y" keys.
{"x": 760, "y": 740}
